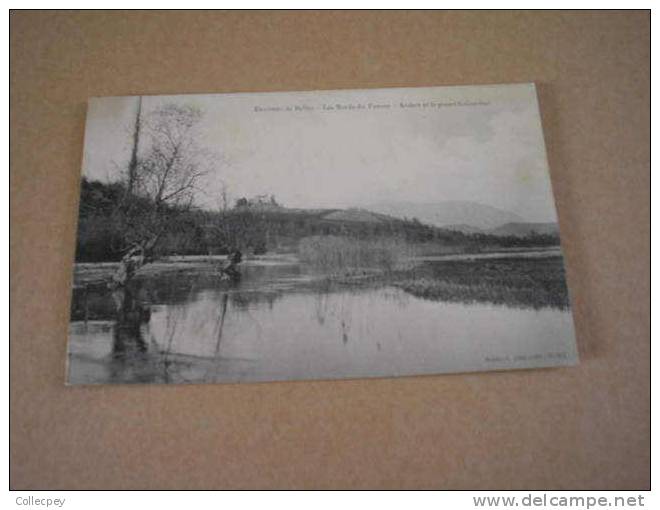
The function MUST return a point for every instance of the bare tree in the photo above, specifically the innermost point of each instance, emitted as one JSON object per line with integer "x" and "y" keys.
{"x": 164, "y": 172}
{"x": 169, "y": 170}
{"x": 133, "y": 163}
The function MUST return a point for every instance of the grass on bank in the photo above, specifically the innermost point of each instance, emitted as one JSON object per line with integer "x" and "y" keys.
{"x": 344, "y": 255}
{"x": 517, "y": 282}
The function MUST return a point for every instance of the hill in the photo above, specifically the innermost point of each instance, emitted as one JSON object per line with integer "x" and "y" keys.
{"x": 465, "y": 229}
{"x": 525, "y": 229}
{"x": 260, "y": 228}
{"x": 450, "y": 213}
{"x": 354, "y": 215}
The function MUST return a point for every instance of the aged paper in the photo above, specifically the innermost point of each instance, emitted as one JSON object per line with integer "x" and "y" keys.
{"x": 315, "y": 235}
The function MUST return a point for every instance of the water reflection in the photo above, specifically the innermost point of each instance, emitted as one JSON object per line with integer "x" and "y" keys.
{"x": 278, "y": 323}
{"x": 131, "y": 314}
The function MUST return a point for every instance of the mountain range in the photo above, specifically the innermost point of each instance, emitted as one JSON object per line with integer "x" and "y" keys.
{"x": 467, "y": 217}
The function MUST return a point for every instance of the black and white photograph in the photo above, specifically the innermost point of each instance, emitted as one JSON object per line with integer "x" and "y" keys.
{"x": 316, "y": 235}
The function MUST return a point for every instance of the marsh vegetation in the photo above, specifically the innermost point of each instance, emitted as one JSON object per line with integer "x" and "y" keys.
{"x": 516, "y": 282}
{"x": 344, "y": 255}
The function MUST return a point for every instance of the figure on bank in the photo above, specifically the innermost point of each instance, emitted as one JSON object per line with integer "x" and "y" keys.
{"x": 130, "y": 263}
{"x": 229, "y": 270}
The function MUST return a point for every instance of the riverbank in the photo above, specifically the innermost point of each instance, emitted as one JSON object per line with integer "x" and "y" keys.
{"x": 86, "y": 273}
{"x": 532, "y": 278}
{"x": 99, "y": 272}
{"x": 517, "y": 281}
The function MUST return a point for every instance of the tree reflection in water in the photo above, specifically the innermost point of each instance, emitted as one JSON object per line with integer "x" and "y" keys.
{"x": 129, "y": 349}
{"x": 219, "y": 327}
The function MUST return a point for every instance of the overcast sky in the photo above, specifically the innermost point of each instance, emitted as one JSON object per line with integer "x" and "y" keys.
{"x": 483, "y": 144}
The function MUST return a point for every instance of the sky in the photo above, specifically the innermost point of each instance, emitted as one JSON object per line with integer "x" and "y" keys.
{"x": 423, "y": 145}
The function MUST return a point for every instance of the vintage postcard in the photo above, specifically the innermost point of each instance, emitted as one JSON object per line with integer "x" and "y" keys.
{"x": 316, "y": 235}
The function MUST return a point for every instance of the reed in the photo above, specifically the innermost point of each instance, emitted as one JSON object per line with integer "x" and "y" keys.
{"x": 514, "y": 282}
{"x": 336, "y": 254}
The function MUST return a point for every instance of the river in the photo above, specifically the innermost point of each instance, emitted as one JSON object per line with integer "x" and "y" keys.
{"x": 281, "y": 322}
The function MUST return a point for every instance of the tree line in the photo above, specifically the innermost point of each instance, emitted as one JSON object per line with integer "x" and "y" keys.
{"x": 250, "y": 228}
{"x": 151, "y": 207}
